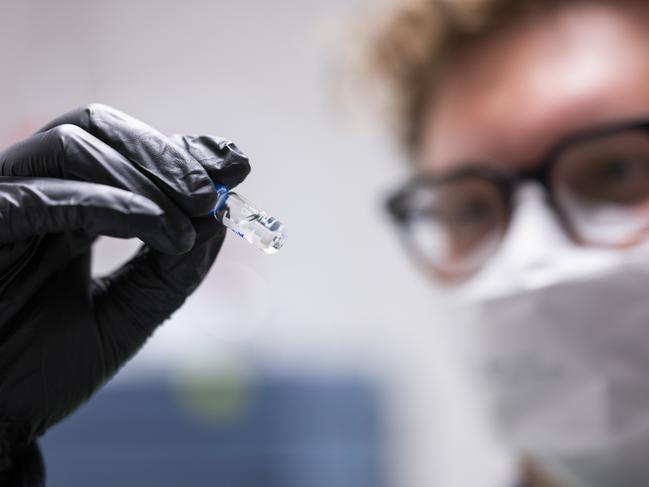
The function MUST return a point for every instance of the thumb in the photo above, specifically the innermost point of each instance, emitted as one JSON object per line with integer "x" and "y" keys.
{"x": 135, "y": 299}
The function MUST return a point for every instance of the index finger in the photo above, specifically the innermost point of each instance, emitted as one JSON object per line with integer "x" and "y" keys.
{"x": 171, "y": 167}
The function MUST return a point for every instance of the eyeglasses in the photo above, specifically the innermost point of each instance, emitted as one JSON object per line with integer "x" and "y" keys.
{"x": 596, "y": 181}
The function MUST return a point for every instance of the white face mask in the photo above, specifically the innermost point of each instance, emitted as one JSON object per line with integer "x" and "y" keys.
{"x": 560, "y": 340}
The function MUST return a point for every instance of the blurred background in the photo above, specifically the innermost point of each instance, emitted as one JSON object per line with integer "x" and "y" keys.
{"x": 324, "y": 365}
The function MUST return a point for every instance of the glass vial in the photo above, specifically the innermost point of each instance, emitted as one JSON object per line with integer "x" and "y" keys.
{"x": 239, "y": 215}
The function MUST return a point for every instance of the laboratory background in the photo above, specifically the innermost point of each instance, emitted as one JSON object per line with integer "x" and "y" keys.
{"x": 323, "y": 365}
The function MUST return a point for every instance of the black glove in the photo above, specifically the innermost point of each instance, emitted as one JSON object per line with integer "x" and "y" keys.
{"x": 95, "y": 171}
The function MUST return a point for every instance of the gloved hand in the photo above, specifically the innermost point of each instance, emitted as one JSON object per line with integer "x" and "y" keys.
{"x": 95, "y": 171}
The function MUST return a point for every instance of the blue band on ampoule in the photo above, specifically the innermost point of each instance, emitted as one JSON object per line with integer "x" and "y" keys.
{"x": 222, "y": 192}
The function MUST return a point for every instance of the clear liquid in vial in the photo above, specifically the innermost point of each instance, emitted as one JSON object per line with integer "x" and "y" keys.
{"x": 239, "y": 215}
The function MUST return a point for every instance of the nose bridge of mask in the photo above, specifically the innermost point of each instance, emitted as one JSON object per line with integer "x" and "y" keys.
{"x": 535, "y": 252}
{"x": 534, "y": 233}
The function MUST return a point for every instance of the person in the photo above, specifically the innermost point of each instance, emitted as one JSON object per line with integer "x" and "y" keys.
{"x": 527, "y": 124}
{"x": 63, "y": 333}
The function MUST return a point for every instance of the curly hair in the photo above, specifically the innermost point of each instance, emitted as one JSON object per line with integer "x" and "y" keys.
{"x": 408, "y": 49}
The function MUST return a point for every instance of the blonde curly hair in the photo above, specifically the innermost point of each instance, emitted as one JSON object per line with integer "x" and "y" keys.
{"x": 408, "y": 48}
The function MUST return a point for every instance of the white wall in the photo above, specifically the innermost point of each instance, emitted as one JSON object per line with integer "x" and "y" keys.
{"x": 340, "y": 296}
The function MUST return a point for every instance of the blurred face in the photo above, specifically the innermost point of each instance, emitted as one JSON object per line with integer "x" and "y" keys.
{"x": 502, "y": 106}
{"x": 560, "y": 101}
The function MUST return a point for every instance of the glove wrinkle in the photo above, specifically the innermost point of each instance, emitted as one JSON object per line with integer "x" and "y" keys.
{"x": 222, "y": 159}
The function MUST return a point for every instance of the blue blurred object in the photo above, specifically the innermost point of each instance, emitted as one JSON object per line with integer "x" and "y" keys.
{"x": 286, "y": 432}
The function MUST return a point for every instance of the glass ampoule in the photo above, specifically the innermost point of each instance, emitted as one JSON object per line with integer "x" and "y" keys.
{"x": 243, "y": 218}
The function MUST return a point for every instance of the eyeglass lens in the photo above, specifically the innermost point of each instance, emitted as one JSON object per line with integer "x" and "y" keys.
{"x": 601, "y": 188}
{"x": 455, "y": 224}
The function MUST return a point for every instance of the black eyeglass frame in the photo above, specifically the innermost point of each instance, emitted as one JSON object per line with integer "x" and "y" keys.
{"x": 509, "y": 182}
